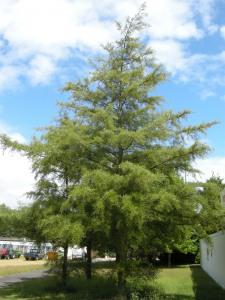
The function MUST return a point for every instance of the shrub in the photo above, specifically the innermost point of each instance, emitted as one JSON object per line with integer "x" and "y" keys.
{"x": 143, "y": 289}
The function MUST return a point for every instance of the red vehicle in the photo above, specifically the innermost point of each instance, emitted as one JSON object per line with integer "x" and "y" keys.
{"x": 4, "y": 253}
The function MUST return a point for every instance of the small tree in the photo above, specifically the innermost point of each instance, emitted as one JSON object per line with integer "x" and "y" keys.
{"x": 56, "y": 159}
{"x": 51, "y": 222}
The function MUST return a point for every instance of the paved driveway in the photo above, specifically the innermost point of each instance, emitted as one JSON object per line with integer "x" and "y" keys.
{"x": 6, "y": 280}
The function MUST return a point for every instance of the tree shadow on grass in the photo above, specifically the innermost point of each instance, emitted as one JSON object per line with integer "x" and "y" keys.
{"x": 204, "y": 287}
{"x": 49, "y": 288}
{"x": 101, "y": 287}
{"x": 177, "y": 297}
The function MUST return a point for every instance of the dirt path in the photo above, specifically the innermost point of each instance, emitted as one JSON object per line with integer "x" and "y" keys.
{"x": 6, "y": 280}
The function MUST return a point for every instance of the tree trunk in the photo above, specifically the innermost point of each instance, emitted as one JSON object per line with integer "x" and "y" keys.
{"x": 65, "y": 265}
{"x": 169, "y": 260}
{"x": 117, "y": 257}
{"x": 121, "y": 281}
{"x": 121, "y": 259}
{"x": 89, "y": 260}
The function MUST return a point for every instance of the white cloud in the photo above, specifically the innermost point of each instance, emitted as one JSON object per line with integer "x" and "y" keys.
{"x": 172, "y": 45}
{"x": 205, "y": 94}
{"x": 11, "y": 132}
{"x": 37, "y": 35}
{"x": 16, "y": 178}
{"x": 185, "y": 66}
{"x": 171, "y": 54}
{"x": 207, "y": 70}
{"x": 206, "y": 9}
{"x": 208, "y": 167}
{"x": 222, "y": 31}
{"x": 9, "y": 76}
{"x": 41, "y": 69}
{"x": 173, "y": 19}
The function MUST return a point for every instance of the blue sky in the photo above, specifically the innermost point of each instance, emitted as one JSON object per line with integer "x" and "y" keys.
{"x": 45, "y": 43}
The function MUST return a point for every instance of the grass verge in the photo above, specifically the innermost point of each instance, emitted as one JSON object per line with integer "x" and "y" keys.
{"x": 183, "y": 283}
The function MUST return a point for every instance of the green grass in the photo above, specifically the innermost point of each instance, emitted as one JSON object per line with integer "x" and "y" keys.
{"x": 78, "y": 288}
{"x": 20, "y": 269}
{"x": 189, "y": 283}
{"x": 9, "y": 267}
{"x": 177, "y": 281}
{"x": 181, "y": 283}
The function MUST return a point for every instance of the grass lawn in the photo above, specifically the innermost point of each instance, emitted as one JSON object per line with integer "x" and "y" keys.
{"x": 189, "y": 283}
{"x": 50, "y": 289}
{"x": 13, "y": 266}
{"x": 181, "y": 283}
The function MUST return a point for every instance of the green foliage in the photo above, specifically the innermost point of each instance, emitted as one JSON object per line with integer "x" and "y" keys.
{"x": 132, "y": 194}
{"x": 212, "y": 209}
{"x": 110, "y": 168}
{"x": 56, "y": 160}
{"x": 10, "y": 222}
{"x": 210, "y": 215}
{"x": 143, "y": 289}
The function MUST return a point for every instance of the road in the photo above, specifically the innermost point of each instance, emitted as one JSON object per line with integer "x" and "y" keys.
{"x": 6, "y": 280}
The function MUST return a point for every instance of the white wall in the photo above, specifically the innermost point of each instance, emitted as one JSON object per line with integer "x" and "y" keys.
{"x": 213, "y": 257}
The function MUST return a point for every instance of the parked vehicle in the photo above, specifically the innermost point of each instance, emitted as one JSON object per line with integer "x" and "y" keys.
{"x": 34, "y": 254}
{"x": 14, "y": 253}
{"x": 4, "y": 253}
{"x": 18, "y": 253}
{"x": 8, "y": 252}
{"x": 78, "y": 253}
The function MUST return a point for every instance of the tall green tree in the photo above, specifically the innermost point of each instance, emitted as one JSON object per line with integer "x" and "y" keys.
{"x": 115, "y": 156}
{"x": 138, "y": 150}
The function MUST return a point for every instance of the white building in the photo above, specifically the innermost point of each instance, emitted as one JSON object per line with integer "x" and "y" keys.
{"x": 213, "y": 254}
{"x": 213, "y": 257}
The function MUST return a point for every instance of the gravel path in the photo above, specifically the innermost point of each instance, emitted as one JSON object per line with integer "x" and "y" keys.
{"x": 19, "y": 277}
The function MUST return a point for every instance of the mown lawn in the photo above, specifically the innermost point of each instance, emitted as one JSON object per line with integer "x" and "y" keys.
{"x": 189, "y": 283}
{"x": 13, "y": 266}
{"x": 183, "y": 283}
